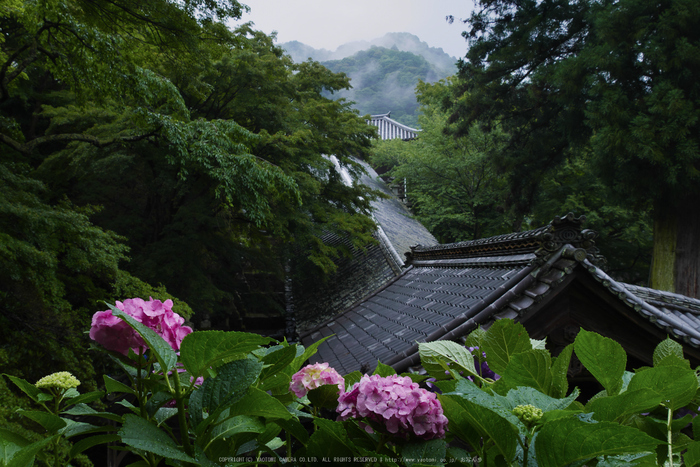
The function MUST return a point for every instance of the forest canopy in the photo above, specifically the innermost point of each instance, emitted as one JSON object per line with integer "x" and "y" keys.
{"x": 147, "y": 149}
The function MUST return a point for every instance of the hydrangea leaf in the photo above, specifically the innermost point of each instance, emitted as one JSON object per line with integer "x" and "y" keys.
{"x": 165, "y": 355}
{"x": 260, "y": 404}
{"x": 10, "y": 443}
{"x": 456, "y": 355}
{"x": 560, "y": 368}
{"x": 112, "y": 385}
{"x": 530, "y": 368}
{"x": 431, "y": 452}
{"x": 87, "y": 443}
{"x": 25, "y": 456}
{"x": 473, "y": 422}
{"x": 26, "y": 387}
{"x": 236, "y": 425}
{"x": 692, "y": 455}
{"x": 86, "y": 398}
{"x": 603, "y": 357}
{"x": 51, "y": 423}
{"x": 277, "y": 371}
{"x": 531, "y": 396}
{"x": 351, "y": 379}
{"x": 577, "y": 441}
{"x": 383, "y": 370}
{"x": 141, "y": 434}
{"x": 329, "y": 440}
{"x": 228, "y": 387}
{"x": 308, "y": 352}
{"x": 204, "y": 349}
{"x": 324, "y": 396}
{"x": 617, "y": 408}
{"x": 468, "y": 390}
{"x": 504, "y": 339}
{"x": 665, "y": 348}
{"x": 295, "y": 428}
{"x": 676, "y": 385}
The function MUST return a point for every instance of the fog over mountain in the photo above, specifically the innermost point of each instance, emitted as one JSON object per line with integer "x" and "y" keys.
{"x": 383, "y": 72}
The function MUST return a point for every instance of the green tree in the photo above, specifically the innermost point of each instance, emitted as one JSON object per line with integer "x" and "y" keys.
{"x": 452, "y": 185}
{"x": 613, "y": 77}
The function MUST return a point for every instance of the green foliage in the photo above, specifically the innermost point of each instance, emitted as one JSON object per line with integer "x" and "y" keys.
{"x": 607, "y": 430}
{"x": 601, "y": 114}
{"x": 451, "y": 183}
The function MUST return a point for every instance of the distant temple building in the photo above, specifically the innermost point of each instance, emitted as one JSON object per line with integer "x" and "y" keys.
{"x": 391, "y": 129}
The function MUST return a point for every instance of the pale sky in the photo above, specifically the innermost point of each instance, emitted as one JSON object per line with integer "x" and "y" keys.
{"x": 326, "y": 24}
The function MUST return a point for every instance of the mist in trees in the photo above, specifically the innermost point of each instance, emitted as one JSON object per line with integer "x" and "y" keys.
{"x": 383, "y": 72}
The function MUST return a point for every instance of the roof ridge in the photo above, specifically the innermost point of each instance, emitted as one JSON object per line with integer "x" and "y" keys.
{"x": 542, "y": 241}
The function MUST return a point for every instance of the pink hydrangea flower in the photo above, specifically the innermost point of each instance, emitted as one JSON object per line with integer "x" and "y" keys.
{"x": 397, "y": 403}
{"x": 314, "y": 376}
{"x": 114, "y": 334}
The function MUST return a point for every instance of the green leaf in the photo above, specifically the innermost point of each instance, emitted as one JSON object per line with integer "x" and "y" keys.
{"x": 468, "y": 390}
{"x": 26, "y": 387}
{"x": 10, "y": 443}
{"x": 432, "y": 354}
{"x": 531, "y": 396}
{"x": 568, "y": 440}
{"x": 308, "y": 352}
{"x": 676, "y": 385}
{"x": 504, "y": 339}
{"x": 530, "y": 368}
{"x": 329, "y": 440}
{"x": 74, "y": 428}
{"x": 325, "y": 396}
{"x": 237, "y": 424}
{"x": 560, "y": 368}
{"x": 469, "y": 417}
{"x": 142, "y": 434}
{"x": 204, "y": 349}
{"x": 474, "y": 338}
{"x": 51, "y": 423}
{"x": 24, "y": 457}
{"x": 87, "y": 443}
{"x": 86, "y": 398}
{"x": 692, "y": 455}
{"x": 275, "y": 363}
{"x": 617, "y": 408}
{"x": 665, "y": 348}
{"x": 229, "y": 386}
{"x": 295, "y": 428}
{"x": 603, "y": 357}
{"x": 166, "y": 356}
{"x": 351, "y": 379}
{"x": 112, "y": 385}
{"x": 261, "y": 404}
{"x": 83, "y": 409}
{"x": 383, "y": 370}
{"x": 431, "y": 452}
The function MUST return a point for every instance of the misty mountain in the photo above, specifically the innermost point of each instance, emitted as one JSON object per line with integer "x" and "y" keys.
{"x": 403, "y": 41}
{"x": 384, "y": 76}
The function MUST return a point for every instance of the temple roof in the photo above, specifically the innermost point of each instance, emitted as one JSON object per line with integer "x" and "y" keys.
{"x": 545, "y": 277}
{"x": 391, "y": 129}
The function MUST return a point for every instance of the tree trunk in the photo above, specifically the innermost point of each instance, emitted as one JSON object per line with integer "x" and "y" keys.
{"x": 675, "y": 265}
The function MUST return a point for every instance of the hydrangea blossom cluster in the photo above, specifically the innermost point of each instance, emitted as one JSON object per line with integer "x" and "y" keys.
{"x": 396, "y": 402}
{"x": 483, "y": 369}
{"x": 313, "y": 376}
{"x": 115, "y": 334}
{"x": 61, "y": 380}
